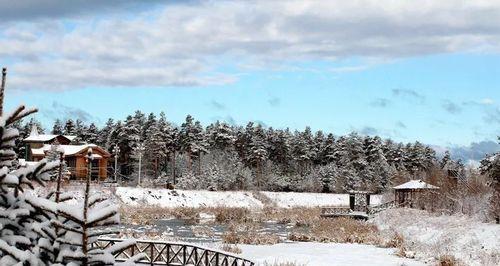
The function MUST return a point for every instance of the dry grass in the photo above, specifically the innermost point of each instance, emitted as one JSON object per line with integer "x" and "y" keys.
{"x": 228, "y": 215}
{"x": 231, "y": 248}
{"x": 339, "y": 230}
{"x": 248, "y": 233}
{"x": 244, "y": 225}
{"x": 146, "y": 215}
{"x": 283, "y": 264}
{"x": 190, "y": 215}
{"x": 397, "y": 241}
{"x": 448, "y": 260}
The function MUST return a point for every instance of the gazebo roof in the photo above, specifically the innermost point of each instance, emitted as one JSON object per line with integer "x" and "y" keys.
{"x": 415, "y": 184}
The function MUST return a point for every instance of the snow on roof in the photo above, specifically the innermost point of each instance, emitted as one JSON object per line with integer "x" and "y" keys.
{"x": 415, "y": 184}
{"x": 46, "y": 137}
{"x": 68, "y": 149}
{"x": 35, "y": 136}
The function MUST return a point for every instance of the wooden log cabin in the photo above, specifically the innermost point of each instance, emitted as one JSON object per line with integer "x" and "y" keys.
{"x": 39, "y": 145}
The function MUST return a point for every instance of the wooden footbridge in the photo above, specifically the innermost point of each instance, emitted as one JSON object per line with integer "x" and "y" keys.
{"x": 359, "y": 207}
{"x": 174, "y": 254}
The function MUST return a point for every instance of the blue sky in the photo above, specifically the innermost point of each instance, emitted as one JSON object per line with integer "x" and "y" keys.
{"x": 431, "y": 74}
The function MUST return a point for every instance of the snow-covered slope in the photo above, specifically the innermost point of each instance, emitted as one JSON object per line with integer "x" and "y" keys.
{"x": 202, "y": 198}
{"x": 186, "y": 198}
{"x": 429, "y": 235}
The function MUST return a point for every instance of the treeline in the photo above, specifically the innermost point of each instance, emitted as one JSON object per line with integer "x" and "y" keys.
{"x": 225, "y": 157}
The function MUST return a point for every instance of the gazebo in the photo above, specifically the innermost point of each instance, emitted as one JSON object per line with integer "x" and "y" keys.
{"x": 406, "y": 194}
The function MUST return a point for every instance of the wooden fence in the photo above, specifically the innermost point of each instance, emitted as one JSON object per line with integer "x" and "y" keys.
{"x": 175, "y": 254}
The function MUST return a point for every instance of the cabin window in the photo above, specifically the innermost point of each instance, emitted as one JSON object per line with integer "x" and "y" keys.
{"x": 71, "y": 162}
{"x": 95, "y": 169}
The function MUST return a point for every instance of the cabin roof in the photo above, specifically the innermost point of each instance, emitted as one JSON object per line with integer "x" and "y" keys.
{"x": 46, "y": 137}
{"x": 37, "y": 137}
{"x": 415, "y": 184}
{"x": 70, "y": 150}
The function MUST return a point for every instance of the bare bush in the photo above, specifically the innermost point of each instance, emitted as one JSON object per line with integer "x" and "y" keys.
{"x": 339, "y": 230}
{"x": 248, "y": 233}
{"x": 231, "y": 248}
{"x": 469, "y": 197}
{"x": 448, "y": 260}
{"x": 226, "y": 215}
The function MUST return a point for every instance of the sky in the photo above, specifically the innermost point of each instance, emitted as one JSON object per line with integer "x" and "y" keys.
{"x": 425, "y": 71}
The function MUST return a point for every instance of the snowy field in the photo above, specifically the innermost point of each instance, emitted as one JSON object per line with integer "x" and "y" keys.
{"x": 201, "y": 198}
{"x": 325, "y": 254}
{"x": 429, "y": 235}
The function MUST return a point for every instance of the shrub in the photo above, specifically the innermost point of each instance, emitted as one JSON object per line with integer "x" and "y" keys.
{"x": 226, "y": 215}
{"x": 448, "y": 260}
{"x": 231, "y": 248}
{"x": 247, "y": 233}
{"x": 339, "y": 230}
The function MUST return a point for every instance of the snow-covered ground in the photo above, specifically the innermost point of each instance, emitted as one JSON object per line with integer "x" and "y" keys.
{"x": 324, "y": 254}
{"x": 201, "y": 198}
{"x": 294, "y": 199}
{"x": 429, "y": 235}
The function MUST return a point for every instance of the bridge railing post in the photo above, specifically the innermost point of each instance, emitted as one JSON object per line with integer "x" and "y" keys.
{"x": 152, "y": 257}
{"x": 184, "y": 255}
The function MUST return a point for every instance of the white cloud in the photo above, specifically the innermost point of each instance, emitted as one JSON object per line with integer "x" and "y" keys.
{"x": 487, "y": 101}
{"x": 185, "y": 45}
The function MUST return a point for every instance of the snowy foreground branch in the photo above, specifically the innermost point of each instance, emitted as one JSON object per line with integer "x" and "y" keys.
{"x": 47, "y": 230}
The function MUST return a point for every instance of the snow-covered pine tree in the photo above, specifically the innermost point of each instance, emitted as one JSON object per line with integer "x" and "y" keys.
{"x": 53, "y": 155}
{"x": 220, "y": 136}
{"x": 169, "y": 137}
{"x": 490, "y": 167}
{"x": 329, "y": 149}
{"x": 258, "y": 152}
{"x": 243, "y": 139}
{"x": 318, "y": 148}
{"x": 192, "y": 141}
{"x": 445, "y": 160}
{"x": 128, "y": 136}
{"x": 19, "y": 242}
{"x": 146, "y": 127}
{"x": 280, "y": 149}
{"x": 139, "y": 119}
{"x": 154, "y": 147}
{"x": 104, "y": 133}
{"x": 379, "y": 171}
{"x": 92, "y": 134}
{"x": 201, "y": 144}
{"x": 69, "y": 128}
{"x": 89, "y": 220}
{"x": 341, "y": 155}
{"x": 303, "y": 150}
{"x": 57, "y": 129}
{"x": 80, "y": 132}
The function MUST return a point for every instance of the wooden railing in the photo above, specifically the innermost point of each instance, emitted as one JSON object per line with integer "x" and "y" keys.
{"x": 381, "y": 207}
{"x": 335, "y": 210}
{"x": 174, "y": 254}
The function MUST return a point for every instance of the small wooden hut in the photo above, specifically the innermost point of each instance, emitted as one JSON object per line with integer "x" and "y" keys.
{"x": 359, "y": 200}
{"x": 408, "y": 193}
{"x": 358, "y": 208}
